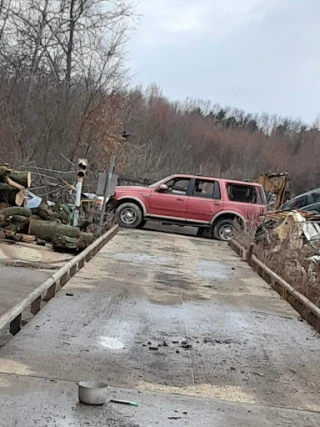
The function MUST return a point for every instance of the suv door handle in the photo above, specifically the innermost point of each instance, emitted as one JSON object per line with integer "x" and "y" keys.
{"x": 217, "y": 203}
{"x": 180, "y": 199}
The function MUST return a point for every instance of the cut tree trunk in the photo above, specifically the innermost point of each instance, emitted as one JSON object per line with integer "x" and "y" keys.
{"x": 15, "y": 184}
{"x": 21, "y": 177}
{"x": 18, "y": 223}
{"x": 3, "y": 205}
{"x": 11, "y": 195}
{"x": 53, "y": 213}
{"x": 18, "y": 179}
{"x": 15, "y": 210}
{"x": 85, "y": 240}
{"x": 4, "y": 173}
{"x": 19, "y": 219}
{"x": 72, "y": 244}
{"x": 12, "y": 235}
{"x": 43, "y": 211}
{"x": 26, "y": 238}
{"x": 47, "y": 230}
{"x": 41, "y": 242}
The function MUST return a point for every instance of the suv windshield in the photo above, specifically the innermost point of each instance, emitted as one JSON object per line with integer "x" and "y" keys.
{"x": 156, "y": 184}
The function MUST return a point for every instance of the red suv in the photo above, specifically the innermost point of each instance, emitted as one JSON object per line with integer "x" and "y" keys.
{"x": 203, "y": 202}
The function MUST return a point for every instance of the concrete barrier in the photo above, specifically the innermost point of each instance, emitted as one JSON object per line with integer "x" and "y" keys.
{"x": 308, "y": 311}
{"x": 47, "y": 289}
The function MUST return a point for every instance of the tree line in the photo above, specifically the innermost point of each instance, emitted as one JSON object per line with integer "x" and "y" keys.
{"x": 198, "y": 137}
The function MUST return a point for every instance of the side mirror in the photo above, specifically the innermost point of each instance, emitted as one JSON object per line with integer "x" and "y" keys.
{"x": 163, "y": 188}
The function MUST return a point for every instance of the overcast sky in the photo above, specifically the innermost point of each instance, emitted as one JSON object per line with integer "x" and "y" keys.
{"x": 258, "y": 55}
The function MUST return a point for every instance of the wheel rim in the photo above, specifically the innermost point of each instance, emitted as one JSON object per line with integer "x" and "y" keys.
{"x": 226, "y": 232}
{"x": 128, "y": 216}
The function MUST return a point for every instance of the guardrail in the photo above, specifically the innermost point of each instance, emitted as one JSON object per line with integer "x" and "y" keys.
{"x": 48, "y": 289}
{"x": 308, "y": 311}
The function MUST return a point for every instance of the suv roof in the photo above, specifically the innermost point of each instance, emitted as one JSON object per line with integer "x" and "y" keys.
{"x": 232, "y": 181}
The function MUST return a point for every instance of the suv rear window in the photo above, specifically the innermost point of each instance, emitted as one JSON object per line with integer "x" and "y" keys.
{"x": 242, "y": 193}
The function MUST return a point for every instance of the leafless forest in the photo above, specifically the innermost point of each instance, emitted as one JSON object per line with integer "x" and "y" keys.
{"x": 65, "y": 88}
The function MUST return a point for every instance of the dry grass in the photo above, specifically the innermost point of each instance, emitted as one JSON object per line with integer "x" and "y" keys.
{"x": 294, "y": 266}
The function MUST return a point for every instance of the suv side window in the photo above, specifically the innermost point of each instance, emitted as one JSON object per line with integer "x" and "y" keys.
{"x": 242, "y": 193}
{"x": 206, "y": 189}
{"x": 178, "y": 186}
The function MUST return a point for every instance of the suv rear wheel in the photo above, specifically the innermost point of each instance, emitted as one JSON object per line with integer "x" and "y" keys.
{"x": 224, "y": 229}
{"x": 129, "y": 215}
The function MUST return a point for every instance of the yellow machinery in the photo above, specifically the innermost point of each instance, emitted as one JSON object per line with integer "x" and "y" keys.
{"x": 276, "y": 187}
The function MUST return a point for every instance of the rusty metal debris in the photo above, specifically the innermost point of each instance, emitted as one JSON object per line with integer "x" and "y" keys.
{"x": 293, "y": 228}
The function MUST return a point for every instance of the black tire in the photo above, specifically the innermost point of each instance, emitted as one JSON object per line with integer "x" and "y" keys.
{"x": 201, "y": 231}
{"x": 142, "y": 223}
{"x": 129, "y": 215}
{"x": 224, "y": 229}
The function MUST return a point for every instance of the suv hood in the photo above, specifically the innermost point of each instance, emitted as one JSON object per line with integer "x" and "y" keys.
{"x": 131, "y": 188}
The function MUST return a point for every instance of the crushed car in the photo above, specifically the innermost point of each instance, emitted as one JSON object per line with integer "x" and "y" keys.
{"x": 302, "y": 200}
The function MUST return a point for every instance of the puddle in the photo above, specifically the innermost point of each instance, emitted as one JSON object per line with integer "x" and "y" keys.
{"x": 213, "y": 270}
{"x": 111, "y": 343}
{"x": 140, "y": 258}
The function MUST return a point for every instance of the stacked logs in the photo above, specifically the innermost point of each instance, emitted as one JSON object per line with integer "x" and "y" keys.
{"x": 43, "y": 224}
{"x": 12, "y": 186}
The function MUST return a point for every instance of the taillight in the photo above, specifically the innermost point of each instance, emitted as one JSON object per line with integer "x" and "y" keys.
{"x": 99, "y": 202}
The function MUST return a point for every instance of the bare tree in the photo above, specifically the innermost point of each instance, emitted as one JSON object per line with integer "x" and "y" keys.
{"x": 60, "y": 63}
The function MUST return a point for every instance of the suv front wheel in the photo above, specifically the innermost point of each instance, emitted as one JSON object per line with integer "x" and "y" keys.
{"x": 129, "y": 215}
{"x": 224, "y": 229}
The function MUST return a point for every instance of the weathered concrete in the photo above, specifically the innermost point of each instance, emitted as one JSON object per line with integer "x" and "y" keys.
{"x": 22, "y": 268}
{"x": 30, "y": 402}
{"x": 16, "y": 283}
{"x": 231, "y": 352}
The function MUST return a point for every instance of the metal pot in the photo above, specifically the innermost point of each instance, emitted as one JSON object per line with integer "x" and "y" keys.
{"x": 92, "y": 392}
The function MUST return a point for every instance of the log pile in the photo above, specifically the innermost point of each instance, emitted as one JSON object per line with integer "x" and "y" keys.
{"x": 45, "y": 224}
{"x": 12, "y": 186}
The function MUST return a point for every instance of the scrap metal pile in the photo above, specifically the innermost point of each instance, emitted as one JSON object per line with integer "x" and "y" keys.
{"x": 293, "y": 228}
{"x": 42, "y": 222}
{"x": 290, "y": 223}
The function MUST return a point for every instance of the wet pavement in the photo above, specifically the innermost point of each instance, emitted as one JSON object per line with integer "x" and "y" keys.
{"x": 179, "y": 324}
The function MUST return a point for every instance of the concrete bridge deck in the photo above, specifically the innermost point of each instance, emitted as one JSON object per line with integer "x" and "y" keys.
{"x": 179, "y": 324}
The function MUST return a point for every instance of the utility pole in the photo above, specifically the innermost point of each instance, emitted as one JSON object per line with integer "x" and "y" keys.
{"x": 106, "y": 193}
{"x": 81, "y": 173}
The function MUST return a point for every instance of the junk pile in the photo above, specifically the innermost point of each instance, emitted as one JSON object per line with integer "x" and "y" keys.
{"x": 291, "y": 228}
{"x": 42, "y": 222}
